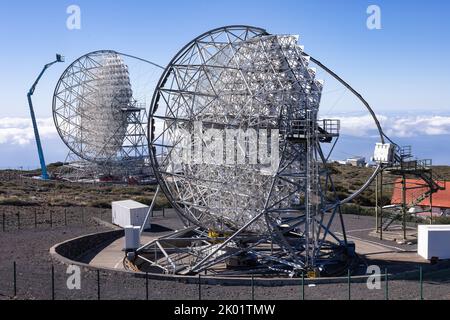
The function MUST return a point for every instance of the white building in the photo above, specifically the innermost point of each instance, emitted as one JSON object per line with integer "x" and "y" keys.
{"x": 357, "y": 161}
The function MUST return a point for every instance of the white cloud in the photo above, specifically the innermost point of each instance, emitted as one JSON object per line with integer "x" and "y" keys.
{"x": 358, "y": 125}
{"x": 408, "y": 126}
{"x": 19, "y": 131}
{"x": 419, "y": 125}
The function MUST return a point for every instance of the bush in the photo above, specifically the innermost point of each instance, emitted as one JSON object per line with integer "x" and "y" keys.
{"x": 62, "y": 203}
{"x": 441, "y": 220}
{"x": 15, "y": 201}
{"x": 55, "y": 165}
{"x": 100, "y": 204}
{"x": 161, "y": 202}
{"x": 350, "y": 208}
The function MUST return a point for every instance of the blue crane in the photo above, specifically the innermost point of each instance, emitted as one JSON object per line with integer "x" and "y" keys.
{"x": 44, "y": 174}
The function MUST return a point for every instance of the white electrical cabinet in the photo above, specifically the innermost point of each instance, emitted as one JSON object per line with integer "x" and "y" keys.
{"x": 433, "y": 241}
{"x": 132, "y": 238}
{"x": 383, "y": 153}
{"x": 129, "y": 212}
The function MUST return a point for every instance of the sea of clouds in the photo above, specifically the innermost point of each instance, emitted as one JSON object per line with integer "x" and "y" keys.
{"x": 19, "y": 131}
{"x": 428, "y": 134}
{"x": 395, "y": 126}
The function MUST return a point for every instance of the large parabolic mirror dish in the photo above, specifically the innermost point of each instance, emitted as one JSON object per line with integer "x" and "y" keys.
{"x": 99, "y": 110}
{"x": 94, "y": 125}
{"x": 236, "y": 147}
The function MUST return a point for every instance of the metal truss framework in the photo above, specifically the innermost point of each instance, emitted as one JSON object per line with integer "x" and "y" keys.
{"x": 242, "y": 77}
{"x": 405, "y": 165}
{"x": 98, "y": 119}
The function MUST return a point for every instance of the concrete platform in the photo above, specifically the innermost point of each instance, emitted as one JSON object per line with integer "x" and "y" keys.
{"x": 373, "y": 251}
{"x": 112, "y": 255}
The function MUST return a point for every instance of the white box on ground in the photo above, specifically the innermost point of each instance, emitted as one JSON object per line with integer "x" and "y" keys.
{"x": 129, "y": 212}
{"x": 433, "y": 241}
{"x": 132, "y": 237}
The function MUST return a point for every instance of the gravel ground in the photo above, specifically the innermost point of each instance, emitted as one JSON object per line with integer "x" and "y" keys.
{"x": 29, "y": 247}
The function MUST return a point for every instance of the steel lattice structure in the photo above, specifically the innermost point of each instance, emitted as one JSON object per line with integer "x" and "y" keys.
{"x": 279, "y": 221}
{"x": 98, "y": 119}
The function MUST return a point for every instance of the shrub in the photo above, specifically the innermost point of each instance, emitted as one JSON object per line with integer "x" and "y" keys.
{"x": 441, "y": 220}
{"x": 161, "y": 202}
{"x": 15, "y": 201}
{"x": 351, "y": 208}
{"x": 62, "y": 203}
{"x": 100, "y": 204}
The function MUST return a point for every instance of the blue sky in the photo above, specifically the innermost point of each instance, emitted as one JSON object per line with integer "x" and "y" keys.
{"x": 402, "y": 69}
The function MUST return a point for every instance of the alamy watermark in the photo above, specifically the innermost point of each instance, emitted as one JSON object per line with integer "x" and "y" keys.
{"x": 373, "y": 21}
{"x": 226, "y": 147}
{"x": 73, "y": 21}
{"x": 374, "y": 279}
{"x": 74, "y": 279}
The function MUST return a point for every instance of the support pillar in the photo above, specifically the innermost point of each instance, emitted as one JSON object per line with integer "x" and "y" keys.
{"x": 404, "y": 205}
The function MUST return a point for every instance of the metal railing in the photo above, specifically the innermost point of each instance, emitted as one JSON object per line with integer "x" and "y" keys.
{"x": 331, "y": 126}
{"x": 326, "y": 127}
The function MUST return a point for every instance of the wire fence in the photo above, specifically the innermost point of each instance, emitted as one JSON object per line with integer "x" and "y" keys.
{"x": 58, "y": 281}
{"x": 14, "y": 218}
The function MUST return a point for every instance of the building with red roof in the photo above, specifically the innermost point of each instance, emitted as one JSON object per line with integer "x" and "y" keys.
{"x": 418, "y": 198}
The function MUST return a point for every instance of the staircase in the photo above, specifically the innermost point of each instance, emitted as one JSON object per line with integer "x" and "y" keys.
{"x": 390, "y": 215}
{"x": 405, "y": 164}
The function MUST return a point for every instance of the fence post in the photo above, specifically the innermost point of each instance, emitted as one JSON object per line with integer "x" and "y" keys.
{"x": 98, "y": 284}
{"x": 164, "y": 212}
{"x": 303, "y": 285}
{"x": 386, "y": 286}
{"x": 199, "y": 287}
{"x": 53, "y": 282}
{"x": 421, "y": 282}
{"x": 253, "y": 288}
{"x": 349, "y": 284}
{"x": 15, "y": 278}
{"x": 146, "y": 286}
